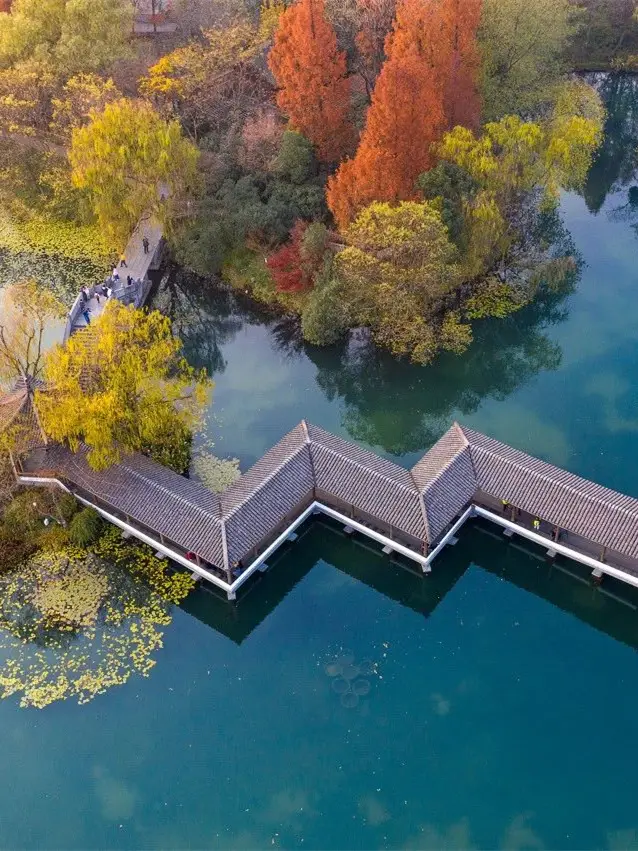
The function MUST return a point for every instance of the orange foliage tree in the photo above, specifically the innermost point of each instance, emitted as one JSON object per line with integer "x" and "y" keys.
{"x": 314, "y": 90}
{"x": 426, "y": 86}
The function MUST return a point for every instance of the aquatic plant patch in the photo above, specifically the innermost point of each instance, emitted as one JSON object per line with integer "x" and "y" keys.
{"x": 74, "y": 624}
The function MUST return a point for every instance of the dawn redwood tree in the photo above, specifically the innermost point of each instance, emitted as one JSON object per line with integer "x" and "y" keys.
{"x": 405, "y": 117}
{"x": 311, "y": 74}
{"x": 426, "y": 86}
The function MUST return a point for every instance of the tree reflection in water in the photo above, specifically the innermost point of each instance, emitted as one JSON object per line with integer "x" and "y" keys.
{"x": 402, "y": 408}
{"x": 615, "y": 163}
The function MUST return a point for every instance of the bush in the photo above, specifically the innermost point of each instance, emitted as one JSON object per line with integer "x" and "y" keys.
{"x": 85, "y": 527}
{"x": 295, "y": 160}
{"x": 14, "y": 548}
{"x": 324, "y": 319}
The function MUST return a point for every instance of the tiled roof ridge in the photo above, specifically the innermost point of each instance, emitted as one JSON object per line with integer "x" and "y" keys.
{"x": 155, "y": 485}
{"x": 360, "y": 464}
{"x": 446, "y": 466}
{"x": 423, "y": 507}
{"x": 546, "y": 478}
{"x": 226, "y": 515}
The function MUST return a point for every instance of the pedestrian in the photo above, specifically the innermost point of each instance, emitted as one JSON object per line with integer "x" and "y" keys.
{"x": 129, "y": 280}
{"x": 87, "y": 316}
{"x": 97, "y": 296}
{"x": 109, "y": 292}
{"x": 505, "y": 505}
{"x": 85, "y": 294}
{"x": 536, "y": 523}
{"x": 145, "y": 243}
{"x": 122, "y": 260}
{"x": 116, "y": 274}
{"x": 104, "y": 289}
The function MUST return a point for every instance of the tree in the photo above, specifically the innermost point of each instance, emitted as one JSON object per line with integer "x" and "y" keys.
{"x": 214, "y": 85}
{"x": 27, "y": 311}
{"x": 285, "y": 264}
{"x": 80, "y": 97}
{"x": 518, "y": 168}
{"x": 374, "y": 21}
{"x": 69, "y": 35}
{"x": 132, "y": 163}
{"x": 522, "y": 48}
{"x": 25, "y": 100}
{"x": 121, "y": 387}
{"x": 396, "y": 272}
{"x": 311, "y": 75}
{"x": 260, "y": 141}
{"x": 426, "y": 85}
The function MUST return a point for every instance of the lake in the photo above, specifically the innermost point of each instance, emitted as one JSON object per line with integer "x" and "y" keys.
{"x": 346, "y": 703}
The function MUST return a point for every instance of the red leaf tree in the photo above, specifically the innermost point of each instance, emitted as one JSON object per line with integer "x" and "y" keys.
{"x": 314, "y": 90}
{"x": 286, "y": 265}
{"x": 426, "y": 84}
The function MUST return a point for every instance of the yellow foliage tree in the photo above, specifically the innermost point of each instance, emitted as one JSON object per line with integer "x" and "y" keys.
{"x": 395, "y": 274}
{"x": 81, "y": 96}
{"x": 132, "y": 162}
{"x": 122, "y": 386}
{"x": 513, "y": 160}
{"x": 213, "y": 84}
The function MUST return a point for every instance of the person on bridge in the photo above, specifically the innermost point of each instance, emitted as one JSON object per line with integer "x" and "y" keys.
{"x": 116, "y": 274}
{"x": 122, "y": 260}
{"x": 87, "y": 316}
{"x": 536, "y": 523}
{"x": 145, "y": 243}
{"x": 85, "y": 295}
{"x": 109, "y": 292}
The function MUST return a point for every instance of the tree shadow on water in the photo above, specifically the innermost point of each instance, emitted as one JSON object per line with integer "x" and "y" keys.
{"x": 403, "y": 408}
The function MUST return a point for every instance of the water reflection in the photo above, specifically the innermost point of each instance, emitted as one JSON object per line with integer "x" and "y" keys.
{"x": 402, "y": 408}
{"x": 204, "y": 316}
{"x": 610, "y": 608}
{"x": 616, "y": 160}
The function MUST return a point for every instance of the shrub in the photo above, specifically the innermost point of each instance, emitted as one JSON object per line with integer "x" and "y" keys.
{"x": 85, "y": 527}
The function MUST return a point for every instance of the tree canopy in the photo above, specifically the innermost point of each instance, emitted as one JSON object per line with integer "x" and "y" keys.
{"x": 313, "y": 87}
{"x": 132, "y": 162}
{"x": 523, "y": 47}
{"x": 123, "y": 386}
{"x": 69, "y": 36}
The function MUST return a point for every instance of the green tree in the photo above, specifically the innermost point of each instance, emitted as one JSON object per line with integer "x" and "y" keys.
{"x": 522, "y": 46}
{"x": 123, "y": 386}
{"x": 132, "y": 162}
{"x": 397, "y": 272}
{"x": 68, "y": 35}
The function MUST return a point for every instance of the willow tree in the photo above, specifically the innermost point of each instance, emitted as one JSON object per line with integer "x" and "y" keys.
{"x": 68, "y": 36}
{"x": 132, "y": 162}
{"x": 26, "y": 311}
{"x": 123, "y": 386}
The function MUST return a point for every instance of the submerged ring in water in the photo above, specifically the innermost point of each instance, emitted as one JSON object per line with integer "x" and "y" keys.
{"x": 361, "y": 687}
{"x": 350, "y": 671}
{"x": 349, "y": 700}
{"x": 340, "y": 685}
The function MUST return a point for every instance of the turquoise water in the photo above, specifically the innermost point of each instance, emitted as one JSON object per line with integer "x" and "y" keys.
{"x": 501, "y": 694}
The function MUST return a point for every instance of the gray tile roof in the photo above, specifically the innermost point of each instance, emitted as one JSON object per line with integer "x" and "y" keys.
{"x": 446, "y": 480}
{"x": 367, "y": 481}
{"x": 421, "y": 502}
{"x": 602, "y": 515}
{"x": 260, "y": 500}
{"x": 180, "y": 509}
